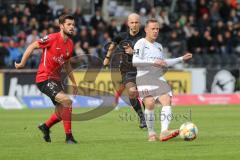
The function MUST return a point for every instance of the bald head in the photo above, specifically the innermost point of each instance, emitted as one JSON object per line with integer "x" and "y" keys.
{"x": 134, "y": 23}
{"x": 134, "y": 16}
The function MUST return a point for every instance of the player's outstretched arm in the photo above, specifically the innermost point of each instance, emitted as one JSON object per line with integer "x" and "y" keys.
{"x": 26, "y": 55}
{"x": 173, "y": 61}
{"x": 109, "y": 54}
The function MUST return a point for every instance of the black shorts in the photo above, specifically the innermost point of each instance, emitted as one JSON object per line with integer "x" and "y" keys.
{"x": 51, "y": 88}
{"x": 128, "y": 77}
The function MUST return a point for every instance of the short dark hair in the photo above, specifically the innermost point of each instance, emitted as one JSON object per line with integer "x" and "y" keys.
{"x": 63, "y": 17}
{"x": 152, "y": 20}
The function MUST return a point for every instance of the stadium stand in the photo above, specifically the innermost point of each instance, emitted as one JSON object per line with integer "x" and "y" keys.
{"x": 208, "y": 29}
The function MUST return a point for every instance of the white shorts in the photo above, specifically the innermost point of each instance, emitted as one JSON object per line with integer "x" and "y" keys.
{"x": 145, "y": 91}
{"x": 153, "y": 90}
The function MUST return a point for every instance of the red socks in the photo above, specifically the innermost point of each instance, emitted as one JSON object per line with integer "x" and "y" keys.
{"x": 119, "y": 93}
{"x": 52, "y": 120}
{"x": 66, "y": 114}
{"x": 66, "y": 117}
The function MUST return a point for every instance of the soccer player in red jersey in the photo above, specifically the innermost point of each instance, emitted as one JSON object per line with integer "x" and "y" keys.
{"x": 57, "y": 51}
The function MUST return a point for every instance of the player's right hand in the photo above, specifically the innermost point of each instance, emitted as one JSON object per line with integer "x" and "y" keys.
{"x": 75, "y": 89}
{"x": 128, "y": 49}
{"x": 19, "y": 65}
{"x": 159, "y": 63}
{"x": 187, "y": 56}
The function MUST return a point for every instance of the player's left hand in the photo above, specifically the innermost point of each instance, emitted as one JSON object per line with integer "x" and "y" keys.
{"x": 19, "y": 65}
{"x": 106, "y": 61}
{"x": 187, "y": 56}
{"x": 128, "y": 49}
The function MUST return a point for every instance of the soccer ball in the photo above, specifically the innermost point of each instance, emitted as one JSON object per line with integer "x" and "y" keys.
{"x": 188, "y": 131}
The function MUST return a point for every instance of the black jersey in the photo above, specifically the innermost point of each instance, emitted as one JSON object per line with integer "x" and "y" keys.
{"x": 126, "y": 59}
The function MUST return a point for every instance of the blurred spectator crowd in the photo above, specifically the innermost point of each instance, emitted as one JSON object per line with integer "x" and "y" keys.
{"x": 210, "y": 29}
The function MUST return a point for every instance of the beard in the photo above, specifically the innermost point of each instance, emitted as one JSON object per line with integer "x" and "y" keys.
{"x": 69, "y": 34}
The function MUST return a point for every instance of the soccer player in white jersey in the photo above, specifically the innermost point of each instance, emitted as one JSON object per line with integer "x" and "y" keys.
{"x": 149, "y": 59}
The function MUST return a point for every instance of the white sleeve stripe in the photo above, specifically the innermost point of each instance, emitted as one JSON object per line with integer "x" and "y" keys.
{"x": 45, "y": 55}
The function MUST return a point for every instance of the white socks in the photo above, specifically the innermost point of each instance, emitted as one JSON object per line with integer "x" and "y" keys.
{"x": 150, "y": 118}
{"x": 166, "y": 116}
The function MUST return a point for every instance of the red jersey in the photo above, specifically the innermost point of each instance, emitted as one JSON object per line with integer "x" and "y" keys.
{"x": 55, "y": 53}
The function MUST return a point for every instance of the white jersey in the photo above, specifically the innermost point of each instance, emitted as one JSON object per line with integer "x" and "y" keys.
{"x": 145, "y": 53}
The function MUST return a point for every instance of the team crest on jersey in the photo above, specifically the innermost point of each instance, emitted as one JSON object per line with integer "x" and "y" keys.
{"x": 160, "y": 48}
{"x": 44, "y": 39}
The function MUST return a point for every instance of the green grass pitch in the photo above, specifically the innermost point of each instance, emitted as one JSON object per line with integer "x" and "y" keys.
{"x": 116, "y": 136}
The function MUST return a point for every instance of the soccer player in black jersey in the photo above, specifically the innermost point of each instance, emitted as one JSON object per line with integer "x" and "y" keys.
{"x": 128, "y": 71}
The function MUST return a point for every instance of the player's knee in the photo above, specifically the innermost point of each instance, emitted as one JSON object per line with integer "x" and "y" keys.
{"x": 149, "y": 103}
{"x": 165, "y": 100}
{"x": 132, "y": 92}
{"x": 67, "y": 102}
